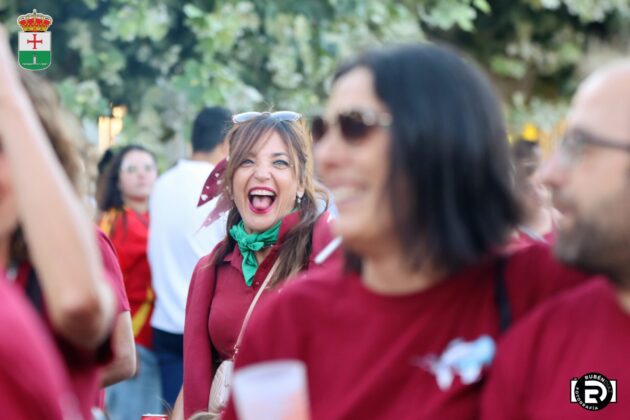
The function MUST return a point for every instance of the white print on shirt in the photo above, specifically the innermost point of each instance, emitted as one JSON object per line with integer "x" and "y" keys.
{"x": 462, "y": 358}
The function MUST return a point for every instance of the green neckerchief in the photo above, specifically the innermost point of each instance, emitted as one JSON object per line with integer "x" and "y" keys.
{"x": 249, "y": 243}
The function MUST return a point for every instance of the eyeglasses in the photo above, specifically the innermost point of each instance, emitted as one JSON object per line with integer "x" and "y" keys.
{"x": 278, "y": 116}
{"x": 572, "y": 146}
{"x": 354, "y": 125}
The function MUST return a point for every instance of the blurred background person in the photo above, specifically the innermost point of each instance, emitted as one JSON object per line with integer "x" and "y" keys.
{"x": 177, "y": 241}
{"x": 49, "y": 248}
{"x": 586, "y": 330}
{"x": 274, "y": 230}
{"x": 123, "y": 198}
{"x": 413, "y": 148}
{"x": 538, "y": 220}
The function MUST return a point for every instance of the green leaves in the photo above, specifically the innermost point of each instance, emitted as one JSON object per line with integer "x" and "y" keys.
{"x": 445, "y": 14}
{"x": 130, "y": 20}
{"x": 165, "y": 59}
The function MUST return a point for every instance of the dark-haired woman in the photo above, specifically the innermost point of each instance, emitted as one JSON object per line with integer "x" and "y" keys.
{"x": 123, "y": 198}
{"x": 413, "y": 148}
{"x": 273, "y": 221}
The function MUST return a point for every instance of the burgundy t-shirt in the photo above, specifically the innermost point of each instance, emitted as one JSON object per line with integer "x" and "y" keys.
{"x": 582, "y": 331}
{"x": 84, "y": 365}
{"x": 419, "y": 355}
{"x": 33, "y": 381}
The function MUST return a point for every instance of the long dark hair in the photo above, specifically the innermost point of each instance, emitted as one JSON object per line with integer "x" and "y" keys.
{"x": 296, "y": 247}
{"x": 449, "y": 185}
{"x": 108, "y": 195}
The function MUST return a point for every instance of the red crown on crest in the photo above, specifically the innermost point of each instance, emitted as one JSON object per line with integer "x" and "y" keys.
{"x": 34, "y": 22}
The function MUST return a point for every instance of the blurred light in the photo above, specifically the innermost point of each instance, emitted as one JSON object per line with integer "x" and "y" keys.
{"x": 110, "y": 127}
{"x": 530, "y": 132}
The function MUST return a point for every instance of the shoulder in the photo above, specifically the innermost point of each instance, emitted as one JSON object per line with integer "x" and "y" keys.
{"x": 167, "y": 182}
{"x": 169, "y": 174}
{"x": 301, "y": 308}
{"x": 204, "y": 269}
{"x": 538, "y": 258}
{"x": 111, "y": 269}
{"x": 104, "y": 243}
{"x": 323, "y": 224}
{"x": 533, "y": 274}
{"x": 323, "y": 237}
{"x": 310, "y": 292}
{"x": 555, "y": 318}
{"x": 573, "y": 305}
{"x": 205, "y": 263}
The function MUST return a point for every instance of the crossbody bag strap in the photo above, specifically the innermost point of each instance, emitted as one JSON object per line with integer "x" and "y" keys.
{"x": 501, "y": 295}
{"x": 251, "y": 306}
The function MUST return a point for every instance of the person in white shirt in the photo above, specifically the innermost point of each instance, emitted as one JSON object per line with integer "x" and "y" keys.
{"x": 177, "y": 241}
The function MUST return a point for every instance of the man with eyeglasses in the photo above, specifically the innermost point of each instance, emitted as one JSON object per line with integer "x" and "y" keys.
{"x": 566, "y": 359}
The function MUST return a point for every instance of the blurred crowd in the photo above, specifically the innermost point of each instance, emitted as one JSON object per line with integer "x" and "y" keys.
{"x": 396, "y": 257}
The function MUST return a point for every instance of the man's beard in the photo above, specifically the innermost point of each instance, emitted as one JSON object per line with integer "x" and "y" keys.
{"x": 599, "y": 245}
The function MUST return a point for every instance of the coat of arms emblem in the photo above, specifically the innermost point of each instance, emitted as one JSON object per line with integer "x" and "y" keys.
{"x": 34, "y": 41}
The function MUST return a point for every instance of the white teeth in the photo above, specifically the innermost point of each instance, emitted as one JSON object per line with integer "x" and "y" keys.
{"x": 262, "y": 192}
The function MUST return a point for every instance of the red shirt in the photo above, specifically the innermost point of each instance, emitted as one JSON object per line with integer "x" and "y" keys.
{"x": 33, "y": 381}
{"x": 581, "y": 331}
{"x": 217, "y": 305}
{"x": 83, "y": 365}
{"x": 419, "y": 355}
{"x": 129, "y": 232}
{"x": 524, "y": 238}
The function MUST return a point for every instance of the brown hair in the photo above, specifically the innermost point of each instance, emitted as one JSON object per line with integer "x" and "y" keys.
{"x": 296, "y": 247}
{"x": 62, "y": 130}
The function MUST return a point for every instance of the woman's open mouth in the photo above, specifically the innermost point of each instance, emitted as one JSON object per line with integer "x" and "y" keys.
{"x": 261, "y": 200}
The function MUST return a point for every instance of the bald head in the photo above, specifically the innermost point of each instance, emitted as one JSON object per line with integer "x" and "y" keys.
{"x": 602, "y": 103}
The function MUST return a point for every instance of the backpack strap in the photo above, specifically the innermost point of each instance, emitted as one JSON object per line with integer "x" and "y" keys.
{"x": 501, "y": 295}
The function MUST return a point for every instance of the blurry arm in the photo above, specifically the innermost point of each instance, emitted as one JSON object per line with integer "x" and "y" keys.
{"x": 124, "y": 348}
{"x": 178, "y": 408}
{"x": 61, "y": 239}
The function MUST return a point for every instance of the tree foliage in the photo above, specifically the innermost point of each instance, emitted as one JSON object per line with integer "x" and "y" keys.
{"x": 165, "y": 59}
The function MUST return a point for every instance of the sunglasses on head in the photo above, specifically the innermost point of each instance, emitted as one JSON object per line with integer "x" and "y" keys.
{"x": 354, "y": 124}
{"x": 278, "y": 116}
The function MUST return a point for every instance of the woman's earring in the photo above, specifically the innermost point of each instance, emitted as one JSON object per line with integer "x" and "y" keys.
{"x": 299, "y": 200}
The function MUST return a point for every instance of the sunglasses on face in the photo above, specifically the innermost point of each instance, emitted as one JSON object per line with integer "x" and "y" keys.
{"x": 354, "y": 125}
{"x": 278, "y": 116}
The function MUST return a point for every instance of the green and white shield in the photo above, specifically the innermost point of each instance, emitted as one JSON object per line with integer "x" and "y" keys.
{"x": 34, "y": 50}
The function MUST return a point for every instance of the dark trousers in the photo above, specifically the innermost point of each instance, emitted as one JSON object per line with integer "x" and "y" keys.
{"x": 169, "y": 350}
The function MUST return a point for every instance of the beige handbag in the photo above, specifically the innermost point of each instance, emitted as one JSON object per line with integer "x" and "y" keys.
{"x": 222, "y": 381}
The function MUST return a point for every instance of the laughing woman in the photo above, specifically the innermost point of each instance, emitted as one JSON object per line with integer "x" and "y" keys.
{"x": 274, "y": 231}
